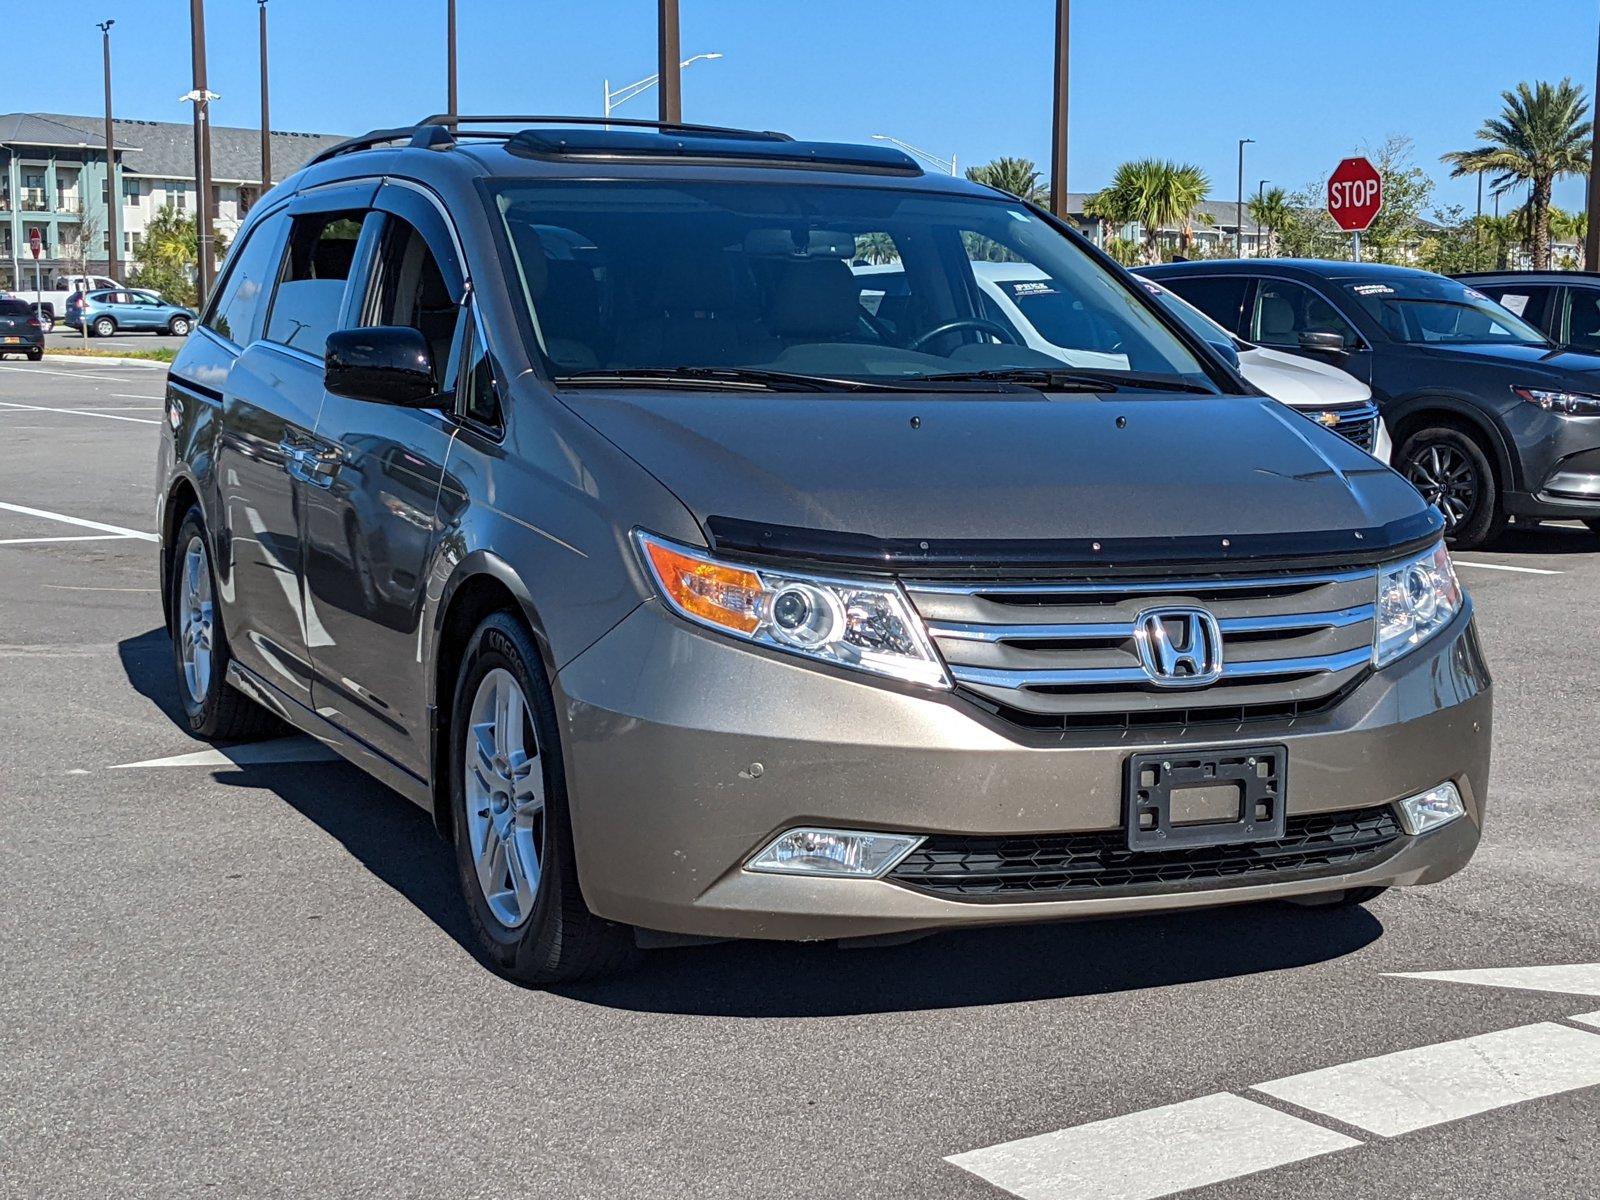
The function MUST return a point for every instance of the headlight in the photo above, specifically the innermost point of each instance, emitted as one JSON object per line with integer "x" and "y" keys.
{"x": 1568, "y": 404}
{"x": 850, "y": 623}
{"x": 1416, "y": 599}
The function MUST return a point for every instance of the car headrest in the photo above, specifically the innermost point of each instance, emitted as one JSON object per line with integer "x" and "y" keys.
{"x": 816, "y": 298}
{"x": 691, "y": 285}
{"x": 1277, "y": 317}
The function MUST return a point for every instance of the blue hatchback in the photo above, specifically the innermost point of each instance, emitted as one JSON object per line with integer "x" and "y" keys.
{"x": 106, "y": 312}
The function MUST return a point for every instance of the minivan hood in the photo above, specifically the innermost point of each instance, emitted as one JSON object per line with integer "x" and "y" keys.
{"x": 1005, "y": 467}
{"x": 1300, "y": 382}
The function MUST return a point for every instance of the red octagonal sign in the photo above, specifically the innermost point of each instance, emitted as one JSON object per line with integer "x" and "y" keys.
{"x": 1355, "y": 194}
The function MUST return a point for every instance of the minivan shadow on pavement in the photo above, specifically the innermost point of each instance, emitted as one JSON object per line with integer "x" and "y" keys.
{"x": 396, "y": 841}
{"x": 1546, "y": 539}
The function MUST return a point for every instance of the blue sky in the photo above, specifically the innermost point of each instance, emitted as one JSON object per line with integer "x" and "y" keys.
{"x": 1310, "y": 82}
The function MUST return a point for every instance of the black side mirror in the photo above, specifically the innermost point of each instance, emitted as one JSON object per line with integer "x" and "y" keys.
{"x": 1320, "y": 342}
{"x": 387, "y": 364}
{"x": 1228, "y": 351}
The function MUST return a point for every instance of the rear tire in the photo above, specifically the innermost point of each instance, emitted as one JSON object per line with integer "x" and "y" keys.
{"x": 35, "y": 355}
{"x": 178, "y": 327}
{"x": 104, "y": 327}
{"x": 513, "y": 833}
{"x": 213, "y": 709}
{"x": 1594, "y": 524}
{"x": 1455, "y": 474}
{"x": 1349, "y": 898}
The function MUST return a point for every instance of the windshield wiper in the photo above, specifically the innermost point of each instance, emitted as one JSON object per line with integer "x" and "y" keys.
{"x": 733, "y": 377}
{"x": 1077, "y": 379}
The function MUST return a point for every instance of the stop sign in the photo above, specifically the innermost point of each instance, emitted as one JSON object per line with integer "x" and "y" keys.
{"x": 35, "y": 243}
{"x": 1355, "y": 194}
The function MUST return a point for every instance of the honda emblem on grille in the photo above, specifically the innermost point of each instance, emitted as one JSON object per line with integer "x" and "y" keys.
{"x": 1179, "y": 647}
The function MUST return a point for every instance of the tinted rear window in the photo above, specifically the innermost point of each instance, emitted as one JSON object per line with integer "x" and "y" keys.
{"x": 15, "y": 308}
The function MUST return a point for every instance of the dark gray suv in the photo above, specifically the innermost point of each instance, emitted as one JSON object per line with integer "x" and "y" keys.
{"x": 581, "y": 484}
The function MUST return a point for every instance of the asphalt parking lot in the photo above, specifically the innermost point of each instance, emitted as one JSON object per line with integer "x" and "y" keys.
{"x": 246, "y": 973}
{"x": 64, "y": 337}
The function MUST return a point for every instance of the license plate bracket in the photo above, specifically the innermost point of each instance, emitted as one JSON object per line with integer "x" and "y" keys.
{"x": 1181, "y": 800}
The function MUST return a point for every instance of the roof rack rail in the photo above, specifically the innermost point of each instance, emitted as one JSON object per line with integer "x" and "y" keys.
{"x": 440, "y": 130}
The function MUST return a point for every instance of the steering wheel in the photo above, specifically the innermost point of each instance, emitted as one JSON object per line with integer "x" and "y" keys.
{"x": 977, "y": 323}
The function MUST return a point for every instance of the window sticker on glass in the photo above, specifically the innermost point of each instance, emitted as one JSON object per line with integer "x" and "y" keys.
{"x": 1018, "y": 215}
{"x": 1516, "y": 305}
{"x": 1030, "y": 287}
{"x": 1375, "y": 289}
{"x": 1476, "y": 295}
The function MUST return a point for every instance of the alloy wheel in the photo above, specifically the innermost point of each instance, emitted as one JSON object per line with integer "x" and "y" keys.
{"x": 505, "y": 800}
{"x": 196, "y": 622}
{"x": 1447, "y": 479}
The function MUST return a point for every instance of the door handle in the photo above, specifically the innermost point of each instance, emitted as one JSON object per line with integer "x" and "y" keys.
{"x": 318, "y": 467}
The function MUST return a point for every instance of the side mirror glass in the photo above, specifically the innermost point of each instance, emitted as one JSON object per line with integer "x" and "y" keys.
{"x": 1321, "y": 342}
{"x": 387, "y": 364}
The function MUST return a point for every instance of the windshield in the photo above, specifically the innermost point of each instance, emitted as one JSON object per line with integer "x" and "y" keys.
{"x": 844, "y": 282}
{"x": 1433, "y": 309}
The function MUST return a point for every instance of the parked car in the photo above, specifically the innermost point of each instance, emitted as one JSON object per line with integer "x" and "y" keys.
{"x": 1491, "y": 418}
{"x": 109, "y": 312}
{"x": 1563, "y": 305}
{"x": 695, "y": 599}
{"x": 53, "y": 299}
{"x": 21, "y": 330}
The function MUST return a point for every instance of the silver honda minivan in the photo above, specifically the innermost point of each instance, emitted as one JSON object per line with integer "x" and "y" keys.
{"x": 565, "y": 478}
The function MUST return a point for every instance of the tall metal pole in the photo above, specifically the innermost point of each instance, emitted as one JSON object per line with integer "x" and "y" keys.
{"x": 1058, "y": 115}
{"x": 1591, "y": 237}
{"x": 670, "y": 82}
{"x": 266, "y": 118}
{"x": 1261, "y": 202}
{"x": 113, "y": 200}
{"x": 1238, "y": 212}
{"x": 450, "y": 63}
{"x": 202, "y": 152}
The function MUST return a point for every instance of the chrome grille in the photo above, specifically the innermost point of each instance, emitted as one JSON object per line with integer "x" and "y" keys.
{"x": 1358, "y": 425}
{"x": 1067, "y": 648}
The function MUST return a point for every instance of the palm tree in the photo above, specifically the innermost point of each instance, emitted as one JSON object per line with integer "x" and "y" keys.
{"x": 1540, "y": 135}
{"x": 1157, "y": 193}
{"x": 1270, "y": 211}
{"x": 1018, "y": 176}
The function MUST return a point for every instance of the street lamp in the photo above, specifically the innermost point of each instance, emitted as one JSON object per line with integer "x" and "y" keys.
{"x": 113, "y": 201}
{"x": 1261, "y": 197}
{"x": 1238, "y": 227}
{"x": 200, "y": 97}
{"x": 944, "y": 164}
{"x": 1059, "y": 196}
{"x": 637, "y": 88}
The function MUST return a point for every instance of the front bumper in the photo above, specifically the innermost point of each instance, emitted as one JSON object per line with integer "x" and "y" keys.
{"x": 685, "y": 752}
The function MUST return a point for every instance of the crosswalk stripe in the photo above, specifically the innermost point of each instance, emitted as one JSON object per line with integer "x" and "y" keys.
{"x": 1580, "y": 979}
{"x": 1153, "y": 1153}
{"x": 1414, "y": 1089}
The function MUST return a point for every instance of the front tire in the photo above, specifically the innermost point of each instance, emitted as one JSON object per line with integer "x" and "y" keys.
{"x": 1454, "y": 473}
{"x": 213, "y": 710}
{"x": 513, "y": 834}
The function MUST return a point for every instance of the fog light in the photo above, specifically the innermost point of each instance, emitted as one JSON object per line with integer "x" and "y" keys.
{"x": 833, "y": 852}
{"x": 1435, "y": 807}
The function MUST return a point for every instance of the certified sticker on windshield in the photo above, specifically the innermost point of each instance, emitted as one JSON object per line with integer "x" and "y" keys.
{"x": 1373, "y": 289}
{"x": 1476, "y": 295}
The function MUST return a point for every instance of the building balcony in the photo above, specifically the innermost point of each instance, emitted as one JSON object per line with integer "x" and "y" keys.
{"x": 35, "y": 202}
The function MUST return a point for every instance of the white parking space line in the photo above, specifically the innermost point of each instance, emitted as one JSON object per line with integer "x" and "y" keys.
{"x": 1576, "y": 979}
{"x": 78, "y": 412}
{"x": 82, "y": 537}
{"x": 79, "y": 374}
{"x": 78, "y": 521}
{"x": 1462, "y": 562}
{"x": 1153, "y": 1153}
{"x": 1414, "y": 1089}
{"x": 282, "y": 750}
{"x": 131, "y": 396}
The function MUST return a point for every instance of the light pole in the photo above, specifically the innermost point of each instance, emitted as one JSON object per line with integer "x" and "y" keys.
{"x": 201, "y": 98}
{"x": 450, "y": 57}
{"x": 1058, "y": 123}
{"x": 1261, "y": 199}
{"x": 113, "y": 201}
{"x": 1591, "y": 237}
{"x": 1238, "y": 218}
{"x": 944, "y": 164}
{"x": 623, "y": 94}
{"x": 266, "y": 120}
{"x": 670, "y": 82}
